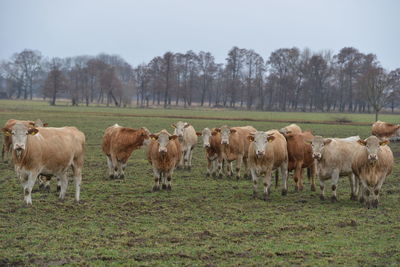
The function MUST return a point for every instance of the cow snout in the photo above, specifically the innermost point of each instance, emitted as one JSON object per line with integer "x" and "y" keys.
{"x": 317, "y": 156}
{"x": 224, "y": 142}
{"x": 260, "y": 152}
{"x": 19, "y": 146}
{"x": 162, "y": 150}
{"x": 372, "y": 157}
{"x": 206, "y": 145}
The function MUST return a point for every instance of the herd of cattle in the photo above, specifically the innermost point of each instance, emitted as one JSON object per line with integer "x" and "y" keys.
{"x": 41, "y": 152}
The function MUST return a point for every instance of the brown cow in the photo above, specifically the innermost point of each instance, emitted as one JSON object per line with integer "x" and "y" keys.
{"x": 292, "y": 128}
{"x": 118, "y": 144}
{"x": 267, "y": 152}
{"x": 385, "y": 130}
{"x": 48, "y": 152}
{"x": 300, "y": 156}
{"x": 164, "y": 154}
{"x": 235, "y": 146}
{"x": 372, "y": 163}
{"x": 6, "y": 149}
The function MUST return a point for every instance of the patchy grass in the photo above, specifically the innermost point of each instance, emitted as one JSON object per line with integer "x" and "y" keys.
{"x": 203, "y": 221}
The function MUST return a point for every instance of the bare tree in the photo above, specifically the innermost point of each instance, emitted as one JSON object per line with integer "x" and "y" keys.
{"x": 55, "y": 82}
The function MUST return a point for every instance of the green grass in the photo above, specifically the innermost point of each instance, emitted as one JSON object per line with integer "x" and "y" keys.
{"x": 203, "y": 221}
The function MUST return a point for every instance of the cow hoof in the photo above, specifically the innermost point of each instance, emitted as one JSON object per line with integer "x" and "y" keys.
{"x": 58, "y": 188}
{"x": 220, "y": 176}
{"x": 207, "y": 174}
{"x": 321, "y": 197}
{"x": 333, "y": 199}
{"x": 296, "y": 188}
{"x": 375, "y": 203}
{"x": 214, "y": 175}
{"x": 313, "y": 188}
{"x": 353, "y": 197}
{"x": 156, "y": 188}
{"x": 47, "y": 189}
{"x": 111, "y": 176}
{"x": 164, "y": 186}
{"x": 284, "y": 192}
{"x": 122, "y": 176}
{"x": 266, "y": 198}
{"x": 361, "y": 200}
{"x": 189, "y": 168}
{"x": 169, "y": 187}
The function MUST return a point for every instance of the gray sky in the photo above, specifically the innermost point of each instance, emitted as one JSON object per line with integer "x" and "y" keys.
{"x": 140, "y": 30}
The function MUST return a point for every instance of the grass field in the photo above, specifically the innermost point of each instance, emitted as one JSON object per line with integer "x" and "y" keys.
{"x": 202, "y": 221}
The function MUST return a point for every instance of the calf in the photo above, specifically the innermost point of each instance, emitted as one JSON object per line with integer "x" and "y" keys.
{"x": 47, "y": 152}
{"x": 187, "y": 138}
{"x": 164, "y": 154}
{"x": 372, "y": 163}
{"x": 385, "y": 130}
{"x": 267, "y": 152}
{"x": 300, "y": 156}
{"x": 235, "y": 146}
{"x": 292, "y": 128}
{"x": 118, "y": 144}
{"x": 333, "y": 159}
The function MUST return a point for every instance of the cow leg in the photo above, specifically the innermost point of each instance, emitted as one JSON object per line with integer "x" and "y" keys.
{"x": 58, "y": 184}
{"x": 375, "y": 194}
{"x": 214, "y": 164}
{"x": 267, "y": 184}
{"x": 114, "y": 162}
{"x": 312, "y": 171}
{"x": 284, "y": 174}
{"x": 169, "y": 180}
{"x": 164, "y": 180}
{"x": 220, "y": 168}
{"x": 47, "y": 185}
{"x": 209, "y": 167}
{"x": 229, "y": 168}
{"x": 190, "y": 158}
{"x": 322, "y": 187}
{"x": 254, "y": 178}
{"x": 110, "y": 168}
{"x": 30, "y": 180}
{"x": 352, "y": 181}
{"x": 157, "y": 177}
{"x": 335, "y": 179}
{"x": 78, "y": 179}
{"x": 239, "y": 162}
{"x": 181, "y": 161}
{"x": 121, "y": 169}
{"x": 64, "y": 185}
{"x": 297, "y": 176}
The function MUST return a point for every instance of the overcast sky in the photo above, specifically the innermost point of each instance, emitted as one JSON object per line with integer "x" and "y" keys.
{"x": 140, "y": 30}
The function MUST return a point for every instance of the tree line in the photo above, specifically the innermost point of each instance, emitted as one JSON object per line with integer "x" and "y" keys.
{"x": 289, "y": 79}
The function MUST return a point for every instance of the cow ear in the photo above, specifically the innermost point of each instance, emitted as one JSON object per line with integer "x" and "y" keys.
{"x": 173, "y": 137}
{"x": 45, "y": 124}
{"x": 31, "y": 123}
{"x": 153, "y": 137}
{"x": 308, "y": 142}
{"x": 270, "y": 138}
{"x": 214, "y": 133}
{"x": 218, "y": 130}
{"x": 250, "y": 138}
{"x": 198, "y": 134}
{"x": 6, "y": 131}
{"x": 173, "y": 125}
{"x": 33, "y": 131}
{"x": 233, "y": 130}
{"x": 327, "y": 141}
{"x": 362, "y": 142}
{"x": 186, "y": 125}
{"x": 384, "y": 142}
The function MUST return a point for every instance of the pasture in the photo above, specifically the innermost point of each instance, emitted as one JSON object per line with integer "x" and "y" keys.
{"x": 202, "y": 221}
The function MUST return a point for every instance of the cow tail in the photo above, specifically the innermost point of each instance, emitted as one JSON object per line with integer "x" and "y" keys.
{"x": 276, "y": 178}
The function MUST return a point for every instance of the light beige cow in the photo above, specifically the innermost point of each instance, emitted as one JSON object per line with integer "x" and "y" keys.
{"x": 291, "y": 129}
{"x": 372, "y": 163}
{"x": 384, "y": 130}
{"x": 235, "y": 146}
{"x": 188, "y": 139}
{"x": 267, "y": 152}
{"x": 48, "y": 152}
{"x": 333, "y": 159}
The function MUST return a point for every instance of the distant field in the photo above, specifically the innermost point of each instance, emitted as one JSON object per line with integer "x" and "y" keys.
{"x": 203, "y": 221}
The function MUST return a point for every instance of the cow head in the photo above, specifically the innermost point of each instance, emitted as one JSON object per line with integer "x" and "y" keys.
{"x": 284, "y": 131}
{"x": 206, "y": 134}
{"x": 179, "y": 128}
{"x": 225, "y": 132}
{"x": 373, "y": 146}
{"x": 146, "y": 133}
{"x": 19, "y": 135}
{"x": 260, "y": 141}
{"x": 317, "y": 145}
{"x": 39, "y": 123}
{"x": 163, "y": 139}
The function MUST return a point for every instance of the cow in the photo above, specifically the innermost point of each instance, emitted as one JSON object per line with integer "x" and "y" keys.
{"x": 164, "y": 154}
{"x": 333, "y": 158}
{"x": 118, "y": 144}
{"x": 188, "y": 139}
{"x": 372, "y": 163}
{"x": 235, "y": 146}
{"x": 48, "y": 152}
{"x": 384, "y": 130}
{"x": 292, "y": 128}
{"x": 213, "y": 150}
{"x": 6, "y": 149}
{"x": 300, "y": 156}
{"x": 267, "y": 152}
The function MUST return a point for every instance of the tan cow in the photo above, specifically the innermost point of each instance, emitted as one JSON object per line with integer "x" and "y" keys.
{"x": 300, "y": 156}
{"x": 48, "y": 152}
{"x": 213, "y": 150}
{"x": 188, "y": 139}
{"x": 6, "y": 149}
{"x": 268, "y": 152}
{"x": 372, "y": 163}
{"x": 333, "y": 159}
{"x": 292, "y": 128}
{"x": 235, "y": 146}
{"x": 118, "y": 144}
{"x": 385, "y": 130}
{"x": 164, "y": 154}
